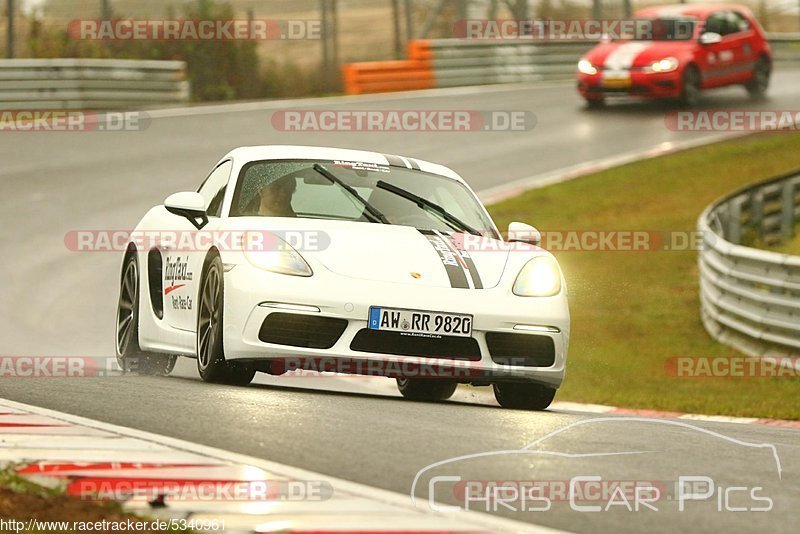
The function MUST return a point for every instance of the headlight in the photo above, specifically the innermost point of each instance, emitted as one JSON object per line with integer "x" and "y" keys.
{"x": 277, "y": 256}
{"x": 665, "y": 65}
{"x": 586, "y": 67}
{"x": 540, "y": 277}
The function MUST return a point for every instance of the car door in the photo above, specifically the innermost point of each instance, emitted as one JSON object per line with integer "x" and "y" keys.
{"x": 740, "y": 39}
{"x": 719, "y": 57}
{"x": 183, "y": 259}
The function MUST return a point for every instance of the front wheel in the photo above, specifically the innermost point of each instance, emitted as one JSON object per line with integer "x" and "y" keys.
{"x": 690, "y": 87}
{"x": 595, "y": 103}
{"x": 523, "y": 396}
{"x": 426, "y": 389}
{"x": 211, "y": 363}
{"x": 757, "y": 86}
{"x": 130, "y": 357}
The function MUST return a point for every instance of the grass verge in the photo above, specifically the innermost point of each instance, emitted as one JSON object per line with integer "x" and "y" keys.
{"x": 791, "y": 246}
{"x": 23, "y": 500}
{"x": 633, "y": 311}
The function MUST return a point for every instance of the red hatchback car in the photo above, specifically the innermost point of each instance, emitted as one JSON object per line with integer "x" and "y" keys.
{"x": 682, "y": 50}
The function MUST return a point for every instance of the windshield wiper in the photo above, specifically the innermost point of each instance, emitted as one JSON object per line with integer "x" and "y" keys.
{"x": 424, "y": 203}
{"x": 372, "y": 210}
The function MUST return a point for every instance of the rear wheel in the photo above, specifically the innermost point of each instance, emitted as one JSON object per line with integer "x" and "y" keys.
{"x": 523, "y": 396}
{"x": 757, "y": 86}
{"x": 130, "y": 357}
{"x": 211, "y": 363}
{"x": 690, "y": 86}
{"x": 426, "y": 389}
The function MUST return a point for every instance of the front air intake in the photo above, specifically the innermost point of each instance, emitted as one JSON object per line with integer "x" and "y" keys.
{"x": 298, "y": 330}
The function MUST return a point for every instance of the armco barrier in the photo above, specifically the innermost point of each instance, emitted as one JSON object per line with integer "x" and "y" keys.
{"x": 91, "y": 83}
{"x": 750, "y": 298}
{"x": 459, "y": 62}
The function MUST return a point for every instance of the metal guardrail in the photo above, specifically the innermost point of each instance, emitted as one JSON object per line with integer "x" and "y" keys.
{"x": 91, "y": 83}
{"x": 785, "y": 48}
{"x": 460, "y": 62}
{"x": 750, "y": 298}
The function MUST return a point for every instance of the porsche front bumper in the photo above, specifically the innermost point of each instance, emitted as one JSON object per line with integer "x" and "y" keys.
{"x": 251, "y": 295}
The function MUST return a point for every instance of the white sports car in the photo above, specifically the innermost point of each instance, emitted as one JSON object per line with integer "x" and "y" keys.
{"x": 304, "y": 258}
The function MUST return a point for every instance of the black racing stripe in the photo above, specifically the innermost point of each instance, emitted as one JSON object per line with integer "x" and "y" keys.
{"x": 467, "y": 260}
{"x": 458, "y": 279}
{"x": 473, "y": 271}
{"x": 413, "y": 163}
{"x": 395, "y": 161}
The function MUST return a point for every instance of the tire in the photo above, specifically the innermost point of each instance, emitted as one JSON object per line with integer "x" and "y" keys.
{"x": 426, "y": 389}
{"x": 595, "y": 103}
{"x": 758, "y": 85}
{"x": 524, "y": 396}
{"x": 130, "y": 357}
{"x": 211, "y": 363}
{"x": 690, "y": 87}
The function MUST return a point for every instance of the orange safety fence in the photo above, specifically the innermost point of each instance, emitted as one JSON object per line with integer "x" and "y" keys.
{"x": 416, "y": 72}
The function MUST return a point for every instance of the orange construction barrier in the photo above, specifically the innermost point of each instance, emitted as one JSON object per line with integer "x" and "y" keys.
{"x": 399, "y": 75}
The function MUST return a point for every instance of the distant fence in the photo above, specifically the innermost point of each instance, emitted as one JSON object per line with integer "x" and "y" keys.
{"x": 750, "y": 298}
{"x": 91, "y": 83}
{"x": 459, "y": 62}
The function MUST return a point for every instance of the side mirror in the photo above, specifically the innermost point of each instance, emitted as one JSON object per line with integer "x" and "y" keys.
{"x": 190, "y": 205}
{"x": 518, "y": 231}
{"x": 710, "y": 38}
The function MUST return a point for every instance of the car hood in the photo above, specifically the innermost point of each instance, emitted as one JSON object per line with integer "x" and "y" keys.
{"x": 388, "y": 253}
{"x": 627, "y": 54}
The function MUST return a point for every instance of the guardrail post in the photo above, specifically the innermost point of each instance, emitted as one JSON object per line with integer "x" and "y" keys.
{"x": 10, "y": 29}
{"x": 787, "y": 209}
{"x": 733, "y": 232}
{"x": 757, "y": 212}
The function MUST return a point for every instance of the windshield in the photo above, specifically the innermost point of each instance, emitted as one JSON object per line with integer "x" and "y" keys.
{"x": 663, "y": 29}
{"x": 295, "y": 188}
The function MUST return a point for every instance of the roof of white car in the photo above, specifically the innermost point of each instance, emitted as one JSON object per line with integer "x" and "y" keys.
{"x": 256, "y": 153}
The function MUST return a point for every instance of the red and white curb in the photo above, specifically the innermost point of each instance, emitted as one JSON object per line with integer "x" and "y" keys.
{"x": 658, "y": 414}
{"x": 58, "y": 449}
{"x": 485, "y": 396}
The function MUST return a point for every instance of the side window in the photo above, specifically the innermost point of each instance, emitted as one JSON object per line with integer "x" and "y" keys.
{"x": 737, "y": 23}
{"x": 213, "y": 188}
{"x": 716, "y": 23}
{"x": 215, "y": 208}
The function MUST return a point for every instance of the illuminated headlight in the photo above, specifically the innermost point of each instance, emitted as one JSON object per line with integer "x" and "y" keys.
{"x": 586, "y": 67}
{"x": 277, "y": 257}
{"x": 540, "y": 277}
{"x": 665, "y": 65}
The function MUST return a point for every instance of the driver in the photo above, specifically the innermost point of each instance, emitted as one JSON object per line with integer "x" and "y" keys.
{"x": 275, "y": 199}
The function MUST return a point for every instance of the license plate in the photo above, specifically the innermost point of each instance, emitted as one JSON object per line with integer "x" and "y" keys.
{"x": 418, "y": 322}
{"x": 617, "y": 83}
